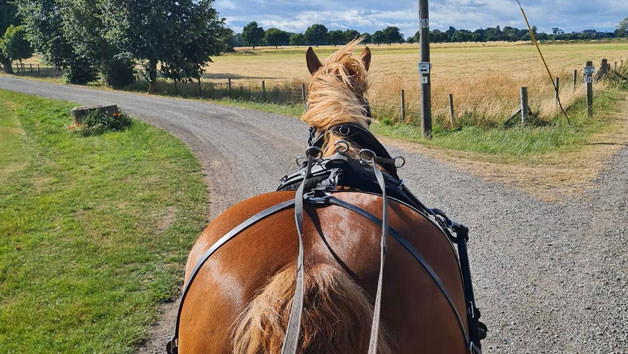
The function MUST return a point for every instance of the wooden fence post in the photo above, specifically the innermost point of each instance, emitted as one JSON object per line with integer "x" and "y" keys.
{"x": 575, "y": 79}
{"x": 31, "y": 67}
{"x": 451, "y": 110}
{"x": 303, "y": 92}
{"x": 524, "y": 105}
{"x": 200, "y": 88}
{"x": 403, "y": 106}
{"x": 589, "y": 79}
{"x": 229, "y": 86}
{"x": 38, "y": 69}
{"x": 263, "y": 90}
{"x": 557, "y": 89}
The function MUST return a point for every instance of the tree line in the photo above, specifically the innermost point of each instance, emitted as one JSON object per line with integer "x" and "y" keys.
{"x": 110, "y": 39}
{"x": 253, "y": 35}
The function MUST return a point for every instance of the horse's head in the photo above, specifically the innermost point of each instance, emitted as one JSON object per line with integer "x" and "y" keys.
{"x": 337, "y": 92}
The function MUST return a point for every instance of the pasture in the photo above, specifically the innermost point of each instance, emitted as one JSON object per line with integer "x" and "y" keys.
{"x": 95, "y": 230}
{"x": 483, "y": 78}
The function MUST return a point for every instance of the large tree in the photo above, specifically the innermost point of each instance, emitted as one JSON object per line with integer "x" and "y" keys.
{"x": 276, "y": 37}
{"x": 351, "y": 35}
{"x": 378, "y": 37}
{"x": 197, "y": 38}
{"x": 91, "y": 28}
{"x": 336, "y": 37}
{"x": 8, "y": 17}
{"x": 392, "y": 35}
{"x": 44, "y": 24}
{"x": 316, "y": 35}
{"x": 14, "y": 44}
{"x": 252, "y": 34}
{"x": 297, "y": 39}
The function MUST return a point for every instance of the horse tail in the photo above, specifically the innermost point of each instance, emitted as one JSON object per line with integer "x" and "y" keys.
{"x": 336, "y": 318}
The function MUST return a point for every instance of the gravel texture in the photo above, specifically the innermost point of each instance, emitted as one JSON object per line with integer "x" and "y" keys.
{"x": 550, "y": 277}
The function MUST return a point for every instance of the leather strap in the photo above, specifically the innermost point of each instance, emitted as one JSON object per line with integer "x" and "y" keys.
{"x": 291, "y": 339}
{"x": 413, "y": 251}
{"x": 377, "y": 308}
{"x": 172, "y": 346}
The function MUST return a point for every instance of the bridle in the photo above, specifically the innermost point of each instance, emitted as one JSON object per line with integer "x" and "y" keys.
{"x": 323, "y": 195}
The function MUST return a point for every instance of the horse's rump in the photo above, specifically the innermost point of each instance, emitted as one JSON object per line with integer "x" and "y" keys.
{"x": 241, "y": 297}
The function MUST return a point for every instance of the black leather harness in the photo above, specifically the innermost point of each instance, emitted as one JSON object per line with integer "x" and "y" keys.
{"x": 315, "y": 183}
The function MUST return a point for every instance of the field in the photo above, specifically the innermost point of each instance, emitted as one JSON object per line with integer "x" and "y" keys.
{"x": 95, "y": 230}
{"x": 484, "y": 79}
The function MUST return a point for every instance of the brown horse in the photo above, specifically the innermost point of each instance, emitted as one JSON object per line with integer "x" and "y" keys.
{"x": 240, "y": 299}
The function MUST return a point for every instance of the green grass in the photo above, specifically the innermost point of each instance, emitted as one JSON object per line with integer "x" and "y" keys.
{"x": 94, "y": 231}
{"x": 558, "y": 135}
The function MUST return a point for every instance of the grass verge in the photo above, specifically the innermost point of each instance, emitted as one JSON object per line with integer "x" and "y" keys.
{"x": 510, "y": 145}
{"x": 94, "y": 230}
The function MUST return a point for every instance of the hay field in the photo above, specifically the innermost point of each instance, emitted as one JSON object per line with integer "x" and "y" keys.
{"x": 485, "y": 79}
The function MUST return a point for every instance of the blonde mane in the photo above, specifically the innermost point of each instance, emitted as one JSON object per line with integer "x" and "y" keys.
{"x": 336, "y": 94}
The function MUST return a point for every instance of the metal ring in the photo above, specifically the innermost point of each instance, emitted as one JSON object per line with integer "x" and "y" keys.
{"x": 344, "y": 132}
{"x": 342, "y": 146}
{"x": 364, "y": 158}
{"x": 401, "y": 163}
{"x": 300, "y": 160}
{"x": 316, "y": 149}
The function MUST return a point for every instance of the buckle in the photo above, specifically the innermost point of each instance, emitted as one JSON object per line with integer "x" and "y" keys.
{"x": 172, "y": 347}
{"x": 474, "y": 349}
{"x": 317, "y": 196}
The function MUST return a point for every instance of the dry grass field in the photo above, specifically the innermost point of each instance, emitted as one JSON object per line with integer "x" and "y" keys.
{"x": 484, "y": 79}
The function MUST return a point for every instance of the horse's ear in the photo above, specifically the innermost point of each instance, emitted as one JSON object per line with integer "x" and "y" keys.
{"x": 366, "y": 58}
{"x": 313, "y": 64}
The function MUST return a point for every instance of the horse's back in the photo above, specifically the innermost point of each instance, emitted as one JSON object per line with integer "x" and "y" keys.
{"x": 414, "y": 311}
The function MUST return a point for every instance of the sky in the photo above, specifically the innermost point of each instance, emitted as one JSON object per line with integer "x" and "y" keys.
{"x": 372, "y": 15}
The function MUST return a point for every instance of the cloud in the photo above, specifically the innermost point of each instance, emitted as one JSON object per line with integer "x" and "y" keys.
{"x": 371, "y": 15}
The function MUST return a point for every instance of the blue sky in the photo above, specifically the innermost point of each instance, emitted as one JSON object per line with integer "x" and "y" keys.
{"x": 371, "y": 15}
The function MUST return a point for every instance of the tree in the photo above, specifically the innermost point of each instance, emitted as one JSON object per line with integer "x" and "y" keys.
{"x": 379, "y": 37}
{"x": 462, "y": 36}
{"x": 8, "y": 17}
{"x": 316, "y": 35}
{"x": 392, "y": 35}
{"x": 436, "y": 36}
{"x": 276, "y": 37}
{"x": 44, "y": 24}
{"x": 196, "y": 39}
{"x": 411, "y": 40}
{"x": 252, "y": 34}
{"x": 93, "y": 31}
{"x": 336, "y": 37}
{"x": 14, "y": 45}
{"x": 622, "y": 28}
{"x": 297, "y": 39}
{"x": 351, "y": 35}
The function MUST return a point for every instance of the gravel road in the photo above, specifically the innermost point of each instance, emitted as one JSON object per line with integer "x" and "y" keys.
{"x": 550, "y": 277}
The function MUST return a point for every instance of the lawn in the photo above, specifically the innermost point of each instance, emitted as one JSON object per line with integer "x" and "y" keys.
{"x": 94, "y": 231}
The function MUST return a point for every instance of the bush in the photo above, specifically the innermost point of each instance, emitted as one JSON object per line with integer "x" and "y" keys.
{"x": 80, "y": 73}
{"x": 98, "y": 122}
{"x": 119, "y": 73}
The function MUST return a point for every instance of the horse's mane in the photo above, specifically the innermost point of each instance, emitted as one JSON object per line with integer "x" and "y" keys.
{"x": 336, "y": 91}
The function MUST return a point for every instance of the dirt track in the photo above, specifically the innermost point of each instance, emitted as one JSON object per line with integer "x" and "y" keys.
{"x": 550, "y": 277}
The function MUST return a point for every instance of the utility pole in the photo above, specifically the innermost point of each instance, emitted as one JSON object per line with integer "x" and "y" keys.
{"x": 425, "y": 68}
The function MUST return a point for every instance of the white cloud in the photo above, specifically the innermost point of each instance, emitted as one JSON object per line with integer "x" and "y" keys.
{"x": 371, "y": 15}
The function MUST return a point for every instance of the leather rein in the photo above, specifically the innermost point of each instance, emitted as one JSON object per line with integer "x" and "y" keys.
{"x": 323, "y": 195}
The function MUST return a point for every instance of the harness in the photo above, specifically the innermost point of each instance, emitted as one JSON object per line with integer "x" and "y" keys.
{"x": 315, "y": 183}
